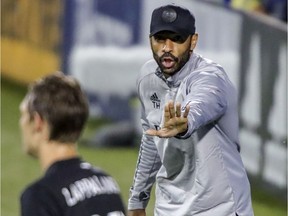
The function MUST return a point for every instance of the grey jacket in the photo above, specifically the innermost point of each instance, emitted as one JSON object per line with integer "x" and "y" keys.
{"x": 201, "y": 172}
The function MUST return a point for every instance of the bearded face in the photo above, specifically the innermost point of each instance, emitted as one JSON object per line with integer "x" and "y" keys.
{"x": 171, "y": 51}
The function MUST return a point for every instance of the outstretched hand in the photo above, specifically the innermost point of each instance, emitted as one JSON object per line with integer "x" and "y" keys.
{"x": 175, "y": 122}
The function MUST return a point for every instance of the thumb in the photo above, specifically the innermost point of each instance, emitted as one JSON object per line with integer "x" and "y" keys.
{"x": 151, "y": 132}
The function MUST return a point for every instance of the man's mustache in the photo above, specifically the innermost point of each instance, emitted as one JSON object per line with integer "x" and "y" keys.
{"x": 168, "y": 55}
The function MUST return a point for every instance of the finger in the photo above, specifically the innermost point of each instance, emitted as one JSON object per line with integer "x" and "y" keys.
{"x": 166, "y": 113}
{"x": 160, "y": 133}
{"x": 151, "y": 132}
{"x": 186, "y": 112}
{"x": 171, "y": 109}
{"x": 178, "y": 110}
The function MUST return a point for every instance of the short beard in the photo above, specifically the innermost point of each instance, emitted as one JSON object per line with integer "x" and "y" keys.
{"x": 180, "y": 61}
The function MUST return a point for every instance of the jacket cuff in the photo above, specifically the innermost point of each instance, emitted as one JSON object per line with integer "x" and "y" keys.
{"x": 184, "y": 135}
{"x": 138, "y": 201}
{"x": 133, "y": 204}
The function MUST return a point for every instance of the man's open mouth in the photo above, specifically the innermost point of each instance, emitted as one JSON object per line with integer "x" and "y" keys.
{"x": 168, "y": 62}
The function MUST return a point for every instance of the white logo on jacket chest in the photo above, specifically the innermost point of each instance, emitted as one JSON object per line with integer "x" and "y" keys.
{"x": 155, "y": 101}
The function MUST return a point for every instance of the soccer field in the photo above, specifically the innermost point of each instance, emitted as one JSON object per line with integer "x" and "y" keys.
{"x": 18, "y": 170}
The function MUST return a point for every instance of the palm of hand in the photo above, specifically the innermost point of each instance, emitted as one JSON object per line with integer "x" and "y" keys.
{"x": 174, "y": 122}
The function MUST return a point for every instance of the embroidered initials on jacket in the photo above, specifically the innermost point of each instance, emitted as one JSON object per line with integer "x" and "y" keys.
{"x": 155, "y": 101}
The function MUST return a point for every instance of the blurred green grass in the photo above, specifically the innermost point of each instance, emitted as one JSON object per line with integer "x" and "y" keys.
{"x": 19, "y": 170}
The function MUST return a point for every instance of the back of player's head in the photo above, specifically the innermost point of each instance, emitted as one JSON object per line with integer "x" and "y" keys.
{"x": 60, "y": 101}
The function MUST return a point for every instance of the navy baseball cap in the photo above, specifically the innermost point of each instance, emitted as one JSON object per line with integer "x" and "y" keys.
{"x": 172, "y": 18}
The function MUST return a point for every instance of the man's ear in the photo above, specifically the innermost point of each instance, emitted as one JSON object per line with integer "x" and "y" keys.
{"x": 194, "y": 40}
{"x": 39, "y": 122}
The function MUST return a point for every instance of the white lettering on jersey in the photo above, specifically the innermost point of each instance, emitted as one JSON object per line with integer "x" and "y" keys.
{"x": 115, "y": 213}
{"x": 89, "y": 187}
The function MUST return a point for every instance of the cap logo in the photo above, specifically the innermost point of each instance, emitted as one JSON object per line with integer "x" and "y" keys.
{"x": 169, "y": 15}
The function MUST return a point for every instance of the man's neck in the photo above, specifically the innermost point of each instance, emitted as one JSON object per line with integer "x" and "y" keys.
{"x": 52, "y": 152}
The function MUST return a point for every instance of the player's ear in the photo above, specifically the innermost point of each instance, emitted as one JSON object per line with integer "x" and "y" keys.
{"x": 194, "y": 40}
{"x": 39, "y": 122}
{"x": 41, "y": 126}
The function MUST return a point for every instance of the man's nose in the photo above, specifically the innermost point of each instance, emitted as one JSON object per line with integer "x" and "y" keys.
{"x": 167, "y": 46}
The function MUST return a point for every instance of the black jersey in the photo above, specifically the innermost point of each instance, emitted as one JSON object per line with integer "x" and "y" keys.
{"x": 73, "y": 188}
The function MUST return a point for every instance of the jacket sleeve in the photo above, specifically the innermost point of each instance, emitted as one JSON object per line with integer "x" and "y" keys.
{"x": 147, "y": 167}
{"x": 206, "y": 94}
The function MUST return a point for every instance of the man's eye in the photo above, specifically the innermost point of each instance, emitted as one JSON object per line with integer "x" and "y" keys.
{"x": 178, "y": 39}
{"x": 158, "y": 37}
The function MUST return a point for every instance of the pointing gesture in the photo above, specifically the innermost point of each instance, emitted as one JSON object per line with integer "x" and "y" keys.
{"x": 174, "y": 122}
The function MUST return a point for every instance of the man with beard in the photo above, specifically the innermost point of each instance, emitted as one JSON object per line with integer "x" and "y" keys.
{"x": 189, "y": 115}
